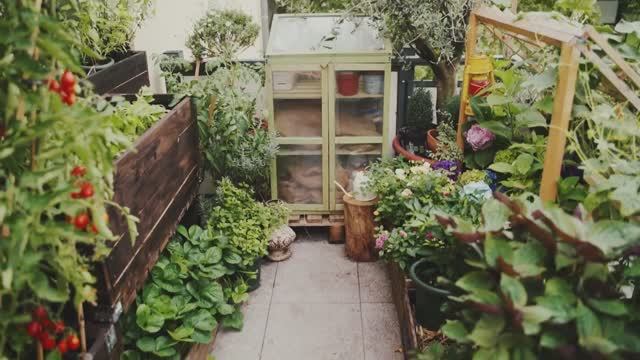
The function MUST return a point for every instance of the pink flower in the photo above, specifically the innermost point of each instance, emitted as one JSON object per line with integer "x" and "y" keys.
{"x": 381, "y": 240}
{"x": 479, "y": 138}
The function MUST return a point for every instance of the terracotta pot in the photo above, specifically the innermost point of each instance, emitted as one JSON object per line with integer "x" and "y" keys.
{"x": 407, "y": 155}
{"x": 432, "y": 139}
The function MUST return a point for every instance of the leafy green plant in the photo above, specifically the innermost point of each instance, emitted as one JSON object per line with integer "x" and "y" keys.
{"x": 222, "y": 34}
{"x": 45, "y": 259}
{"x": 524, "y": 172}
{"x": 419, "y": 116}
{"x": 103, "y": 27}
{"x": 547, "y": 284}
{"x": 193, "y": 288}
{"x": 247, "y": 224}
{"x": 448, "y": 148}
{"x": 132, "y": 118}
{"x": 233, "y": 142}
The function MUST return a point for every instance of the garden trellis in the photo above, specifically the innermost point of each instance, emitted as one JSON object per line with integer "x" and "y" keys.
{"x": 573, "y": 42}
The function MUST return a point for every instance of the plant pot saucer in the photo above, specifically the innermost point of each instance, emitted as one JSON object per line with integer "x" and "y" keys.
{"x": 397, "y": 147}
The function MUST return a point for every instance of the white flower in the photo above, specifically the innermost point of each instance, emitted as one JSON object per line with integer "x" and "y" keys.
{"x": 406, "y": 193}
{"x": 400, "y": 174}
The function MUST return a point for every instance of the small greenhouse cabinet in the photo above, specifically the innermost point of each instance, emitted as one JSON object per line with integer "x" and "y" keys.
{"x": 328, "y": 84}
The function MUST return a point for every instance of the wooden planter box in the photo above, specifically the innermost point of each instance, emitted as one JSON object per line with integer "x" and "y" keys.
{"x": 157, "y": 182}
{"x": 126, "y": 76}
{"x": 401, "y": 287}
{"x": 202, "y": 351}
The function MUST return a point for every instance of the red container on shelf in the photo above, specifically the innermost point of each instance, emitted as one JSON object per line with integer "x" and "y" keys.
{"x": 348, "y": 83}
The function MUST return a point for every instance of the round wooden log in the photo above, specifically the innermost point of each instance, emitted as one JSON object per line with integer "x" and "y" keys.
{"x": 360, "y": 229}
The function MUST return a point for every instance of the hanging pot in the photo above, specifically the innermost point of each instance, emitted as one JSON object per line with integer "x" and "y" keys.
{"x": 348, "y": 83}
{"x": 429, "y": 299}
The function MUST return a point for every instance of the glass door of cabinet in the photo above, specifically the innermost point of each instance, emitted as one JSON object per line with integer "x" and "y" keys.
{"x": 298, "y": 114}
{"x": 358, "y": 108}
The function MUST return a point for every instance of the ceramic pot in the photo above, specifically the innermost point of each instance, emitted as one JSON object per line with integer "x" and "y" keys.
{"x": 397, "y": 147}
{"x": 432, "y": 140}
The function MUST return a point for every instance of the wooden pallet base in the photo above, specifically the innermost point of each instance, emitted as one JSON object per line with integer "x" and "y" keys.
{"x": 316, "y": 220}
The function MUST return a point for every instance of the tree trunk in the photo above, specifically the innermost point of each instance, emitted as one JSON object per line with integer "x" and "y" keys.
{"x": 445, "y": 77}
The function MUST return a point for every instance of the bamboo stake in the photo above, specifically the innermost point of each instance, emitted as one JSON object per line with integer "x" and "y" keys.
{"x": 81, "y": 326}
{"x": 40, "y": 351}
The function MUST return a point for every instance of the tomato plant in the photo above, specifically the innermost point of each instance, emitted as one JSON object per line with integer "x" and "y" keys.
{"x": 53, "y": 142}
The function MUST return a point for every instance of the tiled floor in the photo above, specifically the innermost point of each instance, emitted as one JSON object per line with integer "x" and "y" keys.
{"x": 318, "y": 305}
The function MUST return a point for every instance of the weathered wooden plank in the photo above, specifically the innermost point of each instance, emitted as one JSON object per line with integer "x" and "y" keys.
{"x": 118, "y": 77}
{"x": 400, "y": 295}
{"x": 157, "y": 183}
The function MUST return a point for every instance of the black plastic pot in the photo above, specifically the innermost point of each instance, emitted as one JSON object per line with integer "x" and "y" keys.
{"x": 255, "y": 283}
{"x": 92, "y": 69}
{"x": 429, "y": 299}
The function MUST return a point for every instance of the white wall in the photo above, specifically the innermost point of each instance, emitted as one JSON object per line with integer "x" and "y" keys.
{"x": 170, "y": 24}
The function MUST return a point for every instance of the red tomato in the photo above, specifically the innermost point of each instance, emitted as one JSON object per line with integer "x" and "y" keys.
{"x": 73, "y": 342}
{"x": 86, "y": 190}
{"x": 54, "y": 85}
{"x": 68, "y": 81}
{"x": 69, "y": 98}
{"x": 58, "y": 327}
{"x": 40, "y": 313}
{"x": 81, "y": 221}
{"x": 47, "y": 341}
{"x": 63, "y": 346}
{"x": 34, "y": 329}
{"x": 78, "y": 171}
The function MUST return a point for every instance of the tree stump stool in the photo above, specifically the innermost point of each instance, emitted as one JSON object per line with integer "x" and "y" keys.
{"x": 359, "y": 229}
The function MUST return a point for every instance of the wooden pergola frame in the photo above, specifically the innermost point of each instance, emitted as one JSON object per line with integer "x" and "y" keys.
{"x": 572, "y": 43}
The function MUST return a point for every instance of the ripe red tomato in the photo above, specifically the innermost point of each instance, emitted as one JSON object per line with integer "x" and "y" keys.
{"x": 58, "y": 327}
{"x": 86, "y": 190}
{"x": 34, "y": 329}
{"x": 69, "y": 98}
{"x": 54, "y": 85}
{"x": 81, "y": 221}
{"x": 78, "y": 171}
{"x": 40, "y": 313}
{"x": 73, "y": 343}
{"x": 63, "y": 346}
{"x": 68, "y": 81}
{"x": 47, "y": 341}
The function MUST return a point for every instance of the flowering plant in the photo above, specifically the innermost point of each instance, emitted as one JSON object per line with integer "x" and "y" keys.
{"x": 479, "y": 138}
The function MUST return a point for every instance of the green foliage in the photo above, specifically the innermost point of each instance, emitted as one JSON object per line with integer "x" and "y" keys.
{"x": 43, "y": 258}
{"x": 524, "y": 172}
{"x": 233, "y": 142}
{"x": 222, "y": 34}
{"x": 409, "y": 198}
{"x": 471, "y": 176}
{"x": 448, "y": 148}
{"x": 311, "y": 6}
{"x": 194, "y": 287}
{"x": 132, "y": 119}
{"x": 103, "y": 27}
{"x": 545, "y": 282}
{"x": 629, "y": 10}
{"x": 420, "y": 111}
{"x": 247, "y": 224}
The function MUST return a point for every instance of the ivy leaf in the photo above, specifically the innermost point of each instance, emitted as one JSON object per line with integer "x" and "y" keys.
{"x": 514, "y": 290}
{"x": 610, "y": 307}
{"x": 495, "y": 215}
{"x": 474, "y": 281}
{"x": 487, "y": 330}
{"x": 455, "y": 330}
{"x": 532, "y": 317}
